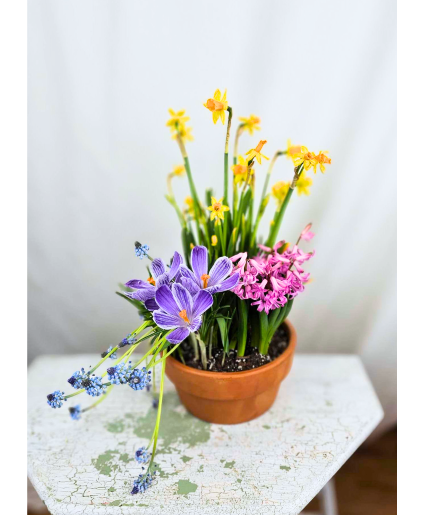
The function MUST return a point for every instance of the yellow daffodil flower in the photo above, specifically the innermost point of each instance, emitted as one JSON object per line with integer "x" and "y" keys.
{"x": 306, "y": 157}
{"x": 185, "y": 133}
{"x": 240, "y": 170}
{"x": 279, "y": 191}
{"x": 256, "y": 152}
{"x": 321, "y": 159}
{"x": 217, "y": 209}
{"x": 177, "y": 118}
{"x": 214, "y": 240}
{"x": 292, "y": 149}
{"x": 179, "y": 170}
{"x": 218, "y": 106}
{"x": 189, "y": 207}
{"x": 250, "y": 124}
{"x": 177, "y": 124}
{"x": 303, "y": 185}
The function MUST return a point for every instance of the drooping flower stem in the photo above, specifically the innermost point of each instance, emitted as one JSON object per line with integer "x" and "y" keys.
{"x": 155, "y": 347}
{"x": 180, "y": 216}
{"x": 269, "y": 172}
{"x": 101, "y": 399}
{"x": 196, "y": 203}
{"x": 158, "y": 417}
{"x": 278, "y": 217}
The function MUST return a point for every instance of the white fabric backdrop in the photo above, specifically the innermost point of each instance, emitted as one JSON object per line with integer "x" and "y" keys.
{"x": 101, "y": 77}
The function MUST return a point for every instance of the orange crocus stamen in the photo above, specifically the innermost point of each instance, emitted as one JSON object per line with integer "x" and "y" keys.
{"x": 260, "y": 145}
{"x": 204, "y": 279}
{"x": 183, "y": 315}
{"x": 151, "y": 280}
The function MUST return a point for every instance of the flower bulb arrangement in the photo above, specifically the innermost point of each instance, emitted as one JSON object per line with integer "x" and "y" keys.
{"x": 208, "y": 310}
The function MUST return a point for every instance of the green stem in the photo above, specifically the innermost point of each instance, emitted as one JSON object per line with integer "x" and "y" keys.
{"x": 242, "y": 326}
{"x": 203, "y": 352}
{"x": 226, "y": 155}
{"x": 158, "y": 417}
{"x": 192, "y": 339}
{"x": 235, "y": 148}
{"x": 180, "y": 216}
{"x": 269, "y": 172}
{"x": 101, "y": 399}
{"x": 274, "y": 229}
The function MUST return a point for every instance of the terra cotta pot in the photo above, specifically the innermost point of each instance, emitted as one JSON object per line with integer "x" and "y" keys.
{"x": 231, "y": 397}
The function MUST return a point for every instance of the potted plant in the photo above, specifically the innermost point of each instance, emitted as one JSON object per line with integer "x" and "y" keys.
{"x": 215, "y": 315}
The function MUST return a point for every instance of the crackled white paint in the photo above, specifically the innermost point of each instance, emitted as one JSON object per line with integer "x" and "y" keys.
{"x": 272, "y": 465}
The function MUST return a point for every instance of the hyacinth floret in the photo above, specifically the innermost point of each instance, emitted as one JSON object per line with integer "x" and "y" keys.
{"x": 140, "y": 250}
{"x": 271, "y": 278}
{"x": 139, "y": 378}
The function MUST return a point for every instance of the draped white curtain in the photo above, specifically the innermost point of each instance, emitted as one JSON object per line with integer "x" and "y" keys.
{"x": 101, "y": 77}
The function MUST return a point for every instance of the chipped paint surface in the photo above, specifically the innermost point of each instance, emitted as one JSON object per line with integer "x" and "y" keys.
{"x": 272, "y": 465}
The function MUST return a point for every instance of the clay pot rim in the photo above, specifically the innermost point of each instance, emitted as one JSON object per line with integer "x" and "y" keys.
{"x": 245, "y": 373}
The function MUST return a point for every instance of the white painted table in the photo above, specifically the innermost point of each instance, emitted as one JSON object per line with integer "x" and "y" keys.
{"x": 275, "y": 464}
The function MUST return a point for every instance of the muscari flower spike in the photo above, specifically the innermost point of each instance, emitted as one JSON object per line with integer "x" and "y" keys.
{"x": 76, "y": 378}
{"x": 139, "y": 378}
{"x": 128, "y": 340}
{"x": 75, "y": 412}
{"x": 119, "y": 374}
{"x": 112, "y": 356}
{"x": 142, "y": 455}
{"x": 143, "y": 482}
{"x": 93, "y": 385}
{"x": 55, "y": 399}
{"x": 141, "y": 250}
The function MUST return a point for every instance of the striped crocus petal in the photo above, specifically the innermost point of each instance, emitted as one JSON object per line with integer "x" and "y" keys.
{"x": 219, "y": 271}
{"x": 178, "y": 335}
{"x": 175, "y": 265}
{"x": 199, "y": 261}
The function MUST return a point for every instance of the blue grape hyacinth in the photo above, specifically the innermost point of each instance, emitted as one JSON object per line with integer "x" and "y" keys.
{"x": 139, "y": 378}
{"x": 75, "y": 412}
{"x": 142, "y": 455}
{"x": 56, "y": 399}
{"x": 119, "y": 374}
{"x": 140, "y": 250}
{"x": 143, "y": 482}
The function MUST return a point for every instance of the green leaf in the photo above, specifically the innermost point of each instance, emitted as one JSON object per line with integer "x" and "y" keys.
{"x": 242, "y": 326}
{"x": 224, "y": 334}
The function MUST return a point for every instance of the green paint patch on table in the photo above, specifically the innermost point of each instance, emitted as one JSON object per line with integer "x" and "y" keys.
{"x": 185, "y": 487}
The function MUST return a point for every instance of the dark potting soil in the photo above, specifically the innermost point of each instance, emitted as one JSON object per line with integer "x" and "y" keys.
{"x": 233, "y": 363}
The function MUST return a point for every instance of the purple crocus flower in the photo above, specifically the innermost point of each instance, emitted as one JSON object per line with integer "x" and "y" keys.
{"x": 213, "y": 281}
{"x": 146, "y": 290}
{"x": 180, "y": 311}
